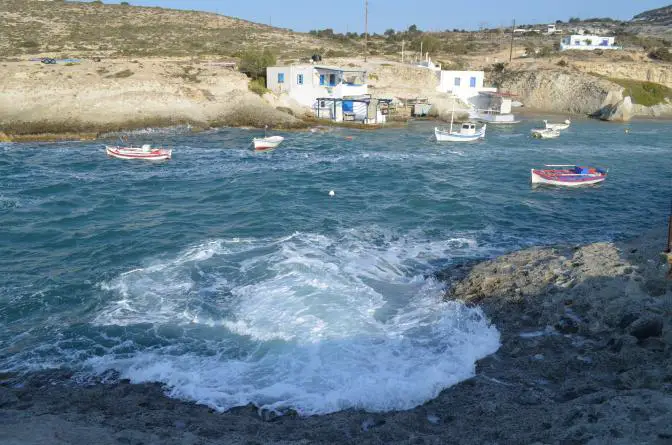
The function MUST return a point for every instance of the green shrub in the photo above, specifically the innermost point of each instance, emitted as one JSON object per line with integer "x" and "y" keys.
{"x": 258, "y": 86}
{"x": 662, "y": 54}
{"x": 29, "y": 44}
{"x": 644, "y": 93}
{"x": 121, "y": 74}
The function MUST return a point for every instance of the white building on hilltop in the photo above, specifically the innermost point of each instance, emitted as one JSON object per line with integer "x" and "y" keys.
{"x": 587, "y": 42}
{"x": 330, "y": 92}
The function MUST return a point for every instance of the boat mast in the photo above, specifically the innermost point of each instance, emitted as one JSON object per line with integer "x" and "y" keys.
{"x": 366, "y": 29}
{"x": 452, "y": 116}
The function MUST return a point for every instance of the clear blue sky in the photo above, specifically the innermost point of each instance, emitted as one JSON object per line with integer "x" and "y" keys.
{"x": 348, "y": 15}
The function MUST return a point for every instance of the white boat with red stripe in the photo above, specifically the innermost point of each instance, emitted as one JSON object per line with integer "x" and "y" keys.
{"x": 145, "y": 152}
{"x": 267, "y": 143}
{"x": 568, "y": 175}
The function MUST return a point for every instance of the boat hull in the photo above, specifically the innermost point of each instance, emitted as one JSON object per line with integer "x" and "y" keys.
{"x": 267, "y": 144}
{"x": 447, "y": 136}
{"x": 545, "y": 134}
{"x": 564, "y": 178}
{"x": 128, "y": 153}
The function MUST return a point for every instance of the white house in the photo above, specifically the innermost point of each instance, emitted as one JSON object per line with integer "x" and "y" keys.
{"x": 331, "y": 92}
{"x": 463, "y": 84}
{"x": 587, "y": 42}
{"x": 552, "y": 29}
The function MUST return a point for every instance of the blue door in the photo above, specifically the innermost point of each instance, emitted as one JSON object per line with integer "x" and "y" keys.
{"x": 322, "y": 79}
{"x": 332, "y": 79}
{"x": 472, "y": 82}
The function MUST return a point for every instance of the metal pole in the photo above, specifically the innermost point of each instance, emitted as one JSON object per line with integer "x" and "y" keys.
{"x": 403, "y": 42}
{"x": 366, "y": 29}
{"x": 512, "y": 30}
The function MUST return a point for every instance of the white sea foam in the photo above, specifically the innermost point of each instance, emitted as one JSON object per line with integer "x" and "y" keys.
{"x": 307, "y": 322}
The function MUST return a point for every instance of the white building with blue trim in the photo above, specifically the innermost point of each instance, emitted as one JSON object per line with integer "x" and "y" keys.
{"x": 585, "y": 42}
{"x": 463, "y": 84}
{"x": 330, "y": 92}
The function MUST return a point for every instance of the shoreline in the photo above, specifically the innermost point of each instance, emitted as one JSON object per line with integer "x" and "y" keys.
{"x": 585, "y": 358}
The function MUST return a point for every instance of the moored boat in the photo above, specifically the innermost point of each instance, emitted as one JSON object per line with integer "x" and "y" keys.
{"x": 568, "y": 175}
{"x": 467, "y": 132}
{"x": 145, "y": 152}
{"x": 267, "y": 143}
{"x": 544, "y": 133}
{"x": 563, "y": 126}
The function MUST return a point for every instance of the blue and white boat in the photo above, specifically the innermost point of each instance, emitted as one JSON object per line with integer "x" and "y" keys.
{"x": 467, "y": 132}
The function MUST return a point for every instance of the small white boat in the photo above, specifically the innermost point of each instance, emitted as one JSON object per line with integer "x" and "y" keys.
{"x": 145, "y": 152}
{"x": 568, "y": 175}
{"x": 557, "y": 127}
{"x": 267, "y": 143}
{"x": 467, "y": 132}
{"x": 544, "y": 133}
{"x": 493, "y": 117}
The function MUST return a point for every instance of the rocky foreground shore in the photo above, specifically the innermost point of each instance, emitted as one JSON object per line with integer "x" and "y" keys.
{"x": 586, "y": 358}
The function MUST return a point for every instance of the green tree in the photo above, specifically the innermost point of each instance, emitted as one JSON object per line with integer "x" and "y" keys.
{"x": 254, "y": 62}
{"x": 430, "y": 44}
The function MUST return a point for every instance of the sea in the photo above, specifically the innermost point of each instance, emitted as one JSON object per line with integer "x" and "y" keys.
{"x": 237, "y": 278}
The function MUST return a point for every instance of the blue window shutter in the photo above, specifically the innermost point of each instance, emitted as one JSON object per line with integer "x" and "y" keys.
{"x": 281, "y": 77}
{"x": 299, "y": 79}
{"x": 457, "y": 81}
{"x": 472, "y": 82}
{"x": 322, "y": 79}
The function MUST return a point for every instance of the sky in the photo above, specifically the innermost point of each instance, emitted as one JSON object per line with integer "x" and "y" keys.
{"x": 428, "y": 15}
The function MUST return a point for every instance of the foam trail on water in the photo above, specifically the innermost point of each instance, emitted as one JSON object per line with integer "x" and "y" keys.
{"x": 307, "y": 322}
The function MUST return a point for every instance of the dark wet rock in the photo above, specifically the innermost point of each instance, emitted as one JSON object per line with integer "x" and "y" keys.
{"x": 645, "y": 327}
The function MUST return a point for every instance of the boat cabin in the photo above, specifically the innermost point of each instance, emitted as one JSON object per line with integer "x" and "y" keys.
{"x": 468, "y": 128}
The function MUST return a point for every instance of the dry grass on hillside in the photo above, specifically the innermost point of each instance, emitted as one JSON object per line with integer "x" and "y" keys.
{"x": 78, "y": 29}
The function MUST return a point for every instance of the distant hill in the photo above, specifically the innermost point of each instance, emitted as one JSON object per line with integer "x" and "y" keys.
{"x": 79, "y": 29}
{"x": 660, "y": 16}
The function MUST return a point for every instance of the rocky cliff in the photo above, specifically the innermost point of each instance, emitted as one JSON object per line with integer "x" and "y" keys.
{"x": 575, "y": 92}
{"x": 114, "y": 94}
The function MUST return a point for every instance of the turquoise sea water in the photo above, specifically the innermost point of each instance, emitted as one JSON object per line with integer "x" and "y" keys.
{"x": 234, "y": 277}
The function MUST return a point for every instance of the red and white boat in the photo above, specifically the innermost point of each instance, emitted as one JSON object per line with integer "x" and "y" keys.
{"x": 269, "y": 143}
{"x": 568, "y": 175}
{"x": 145, "y": 152}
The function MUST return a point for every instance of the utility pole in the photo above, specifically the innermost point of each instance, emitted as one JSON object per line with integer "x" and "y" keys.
{"x": 421, "y": 42}
{"x": 403, "y": 42}
{"x": 366, "y": 29}
{"x": 512, "y": 31}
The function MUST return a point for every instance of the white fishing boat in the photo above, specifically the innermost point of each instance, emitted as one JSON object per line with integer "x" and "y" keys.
{"x": 267, "y": 143}
{"x": 568, "y": 175}
{"x": 145, "y": 152}
{"x": 493, "y": 117}
{"x": 466, "y": 133}
{"x": 493, "y": 108}
{"x": 558, "y": 127}
{"x": 544, "y": 133}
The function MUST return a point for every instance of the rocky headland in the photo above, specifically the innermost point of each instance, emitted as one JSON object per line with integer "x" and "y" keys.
{"x": 586, "y": 358}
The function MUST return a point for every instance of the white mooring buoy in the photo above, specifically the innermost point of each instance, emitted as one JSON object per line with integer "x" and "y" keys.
{"x": 331, "y": 193}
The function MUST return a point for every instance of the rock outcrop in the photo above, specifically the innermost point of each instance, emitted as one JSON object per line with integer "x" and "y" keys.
{"x": 575, "y": 92}
{"x": 118, "y": 94}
